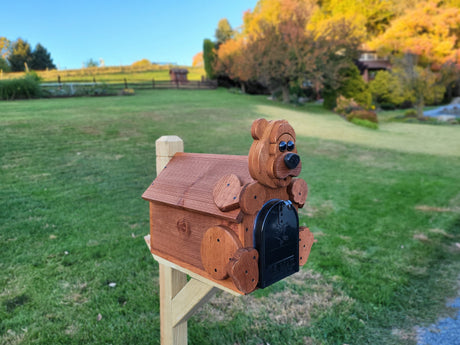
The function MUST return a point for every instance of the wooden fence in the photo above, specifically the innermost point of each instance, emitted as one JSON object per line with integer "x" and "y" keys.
{"x": 138, "y": 84}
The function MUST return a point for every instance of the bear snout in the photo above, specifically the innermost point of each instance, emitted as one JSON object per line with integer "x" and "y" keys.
{"x": 291, "y": 160}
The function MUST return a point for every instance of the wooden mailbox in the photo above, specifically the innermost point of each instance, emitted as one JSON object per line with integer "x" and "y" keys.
{"x": 233, "y": 219}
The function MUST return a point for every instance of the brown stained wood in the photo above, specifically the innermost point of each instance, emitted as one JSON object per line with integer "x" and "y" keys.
{"x": 226, "y": 193}
{"x": 218, "y": 246}
{"x": 282, "y": 172}
{"x": 266, "y": 160}
{"x": 243, "y": 268}
{"x": 166, "y": 237}
{"x": 168, "y": 260}
{"x": 258, "y": 128}
{"x": 298, "y": 191}
{"x": 306, "y": 240}
{"x": 189, "y": 179}
{"x": 252, "y": 198}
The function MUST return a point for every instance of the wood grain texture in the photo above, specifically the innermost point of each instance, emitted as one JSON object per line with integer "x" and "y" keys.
{"x": 306, "y": 240}
{"x": 265, "y": 158}
{"x": 226, "y": 193}
{"x": 253, "y": 197}
{"x": 298, "y": 191}
{"x": 218, "y": 246}
{"x": 189, "y": 179}
{"x": 243, "y": 268}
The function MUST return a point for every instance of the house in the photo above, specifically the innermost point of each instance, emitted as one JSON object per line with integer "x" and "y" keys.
{"x": 370, "y": 63}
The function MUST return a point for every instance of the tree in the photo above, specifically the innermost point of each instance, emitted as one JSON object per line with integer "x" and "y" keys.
{"x": 142, "y": 63}
{"x": 224, "y": 32}
{"x": 423, "y": 84}
{"x": 91, "y": 63}
{"x": 41, "y": 59}
{"x": 198, "y": 60}
{"x": 209, "y": 58}
{"x": 20, "y": 55}
{"x": 4, "y": 65}
{"x": 429, "y": 30}
{"x": 5, "y": 44}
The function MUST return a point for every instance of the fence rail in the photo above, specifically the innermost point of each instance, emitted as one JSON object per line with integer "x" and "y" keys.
{"x": 136, "y": 84}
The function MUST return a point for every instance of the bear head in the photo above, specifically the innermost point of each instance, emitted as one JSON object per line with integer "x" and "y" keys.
{"x": 273, "y": 159}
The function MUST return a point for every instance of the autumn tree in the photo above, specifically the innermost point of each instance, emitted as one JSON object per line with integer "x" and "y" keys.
{"x": 430, "y": 31}
{"x": 5, "y": 44}
{"x": 20, "y": 55}
{"x": 421, "y": 82}
{"x": 198, "y": 60}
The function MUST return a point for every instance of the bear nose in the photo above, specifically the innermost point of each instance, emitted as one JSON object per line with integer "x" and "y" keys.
{"x": 291, "y": 160}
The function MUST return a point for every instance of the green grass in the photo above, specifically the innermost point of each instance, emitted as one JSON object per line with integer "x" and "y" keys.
{"x": 384, "y": 206}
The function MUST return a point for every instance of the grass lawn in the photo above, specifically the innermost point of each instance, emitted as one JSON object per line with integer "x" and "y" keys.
{"x": 384, "y": 206}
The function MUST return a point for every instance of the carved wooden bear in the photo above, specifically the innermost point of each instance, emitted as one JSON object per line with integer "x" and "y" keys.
{"x": 233, "y": 219}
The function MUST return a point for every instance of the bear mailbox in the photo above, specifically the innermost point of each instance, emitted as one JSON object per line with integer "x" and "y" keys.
{"x": 233, "y": 219}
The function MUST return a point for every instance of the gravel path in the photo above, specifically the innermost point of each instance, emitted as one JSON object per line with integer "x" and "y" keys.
{"x": 445, "y": 332}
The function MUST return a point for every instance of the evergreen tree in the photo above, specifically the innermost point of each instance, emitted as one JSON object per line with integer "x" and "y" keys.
{"x": 41, "y": 59}
{"x": 209, "y": 58}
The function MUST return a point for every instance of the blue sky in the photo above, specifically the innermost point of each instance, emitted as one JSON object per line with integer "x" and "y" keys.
{"x": 119, "y": 32}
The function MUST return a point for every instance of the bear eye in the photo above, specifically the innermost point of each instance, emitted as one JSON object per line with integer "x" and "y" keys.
{"x": 290, "y": 145}
{"x": 283, "y": 146}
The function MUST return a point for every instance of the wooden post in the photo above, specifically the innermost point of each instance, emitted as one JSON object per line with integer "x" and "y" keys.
{"x": 153, "y": 83}
{"x": 179, "y": 299}
{"x": 126, "y": 84}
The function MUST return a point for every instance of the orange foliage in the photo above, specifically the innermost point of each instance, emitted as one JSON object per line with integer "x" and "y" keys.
{"x": 198, "y": 60}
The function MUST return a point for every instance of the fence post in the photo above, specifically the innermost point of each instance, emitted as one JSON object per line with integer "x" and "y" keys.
{"x": 59, "y": 80}
{"x": 126, "y": 84}
{"x": 94, "y": 80}
{"x": 153, "y": 83}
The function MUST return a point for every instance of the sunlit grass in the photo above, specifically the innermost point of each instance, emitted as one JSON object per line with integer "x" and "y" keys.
{"x": 383, "y": 205}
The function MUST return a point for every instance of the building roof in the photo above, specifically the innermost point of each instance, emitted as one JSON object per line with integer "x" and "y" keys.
{"x": 189, "y": 179}
{"x": 178, "y": 71}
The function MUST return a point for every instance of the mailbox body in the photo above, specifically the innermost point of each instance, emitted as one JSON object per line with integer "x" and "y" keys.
{"x": 182, "y": 208}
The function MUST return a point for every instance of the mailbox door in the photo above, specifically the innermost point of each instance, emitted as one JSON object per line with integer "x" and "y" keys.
{"x": 276, "y": 237}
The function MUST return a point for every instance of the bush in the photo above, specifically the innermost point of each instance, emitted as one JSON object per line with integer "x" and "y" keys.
{"x": 364, "y": 123}
{"x": 20, "y": 88}
{"x": 346, "y": 105}
{"x": 352, "y": 86}
{"x": 410, "y": 113}
{"x": 362, "y": 115}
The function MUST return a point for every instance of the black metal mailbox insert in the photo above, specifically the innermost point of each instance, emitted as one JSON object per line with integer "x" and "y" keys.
{"x": 276, "y": 237}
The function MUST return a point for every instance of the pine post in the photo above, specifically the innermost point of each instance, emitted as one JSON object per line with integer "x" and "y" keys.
{"x": 179, "y": 299}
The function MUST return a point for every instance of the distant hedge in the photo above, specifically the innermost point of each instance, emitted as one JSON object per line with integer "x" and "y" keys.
{"x": 20, "y": 88}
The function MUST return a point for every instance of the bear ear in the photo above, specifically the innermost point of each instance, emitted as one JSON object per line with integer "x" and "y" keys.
{"x": 258, "y": 128}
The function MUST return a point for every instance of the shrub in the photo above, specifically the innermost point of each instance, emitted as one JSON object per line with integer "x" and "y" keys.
{"x": 346, "y": 105}
{"x": 387, "y": 89}
{"x": 363, "y": 115}
{"x": 352, "y": 86}
{"x": 364, "y": 123}
{"x": 20, "y": 88}
{"x": 410, "y": 113}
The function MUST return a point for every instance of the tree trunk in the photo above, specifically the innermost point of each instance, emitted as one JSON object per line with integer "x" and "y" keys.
{"x": 285, "y": 90}
{"x": 419, "y": 106}
{"x": 243, "y": 87}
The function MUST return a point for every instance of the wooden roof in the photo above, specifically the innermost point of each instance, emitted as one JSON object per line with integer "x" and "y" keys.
{"x": 189, "y": 178}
